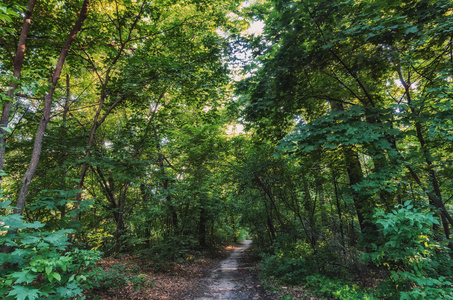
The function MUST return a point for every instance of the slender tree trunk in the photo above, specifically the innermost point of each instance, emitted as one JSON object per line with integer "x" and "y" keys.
{"x": 119, "y": 219}
{"x": 202, "y": 226}
{"x": 233, "y": 226}
{"x": 436, "y": 198}
{"x": 18, "y": 62}
{"x": 432, "y": 197}
{"x": 340, "y": 217}
{"x": 212, "y": 232}
{"x": 64, "y": 141}
{"x": 36, "y": 153}
{"x": 271, "y": 231}
{"x": 265, "y": 188}
{"x": 322, "y": 202}
{"x": 174, "y": 216}
{"x": 362, "y": 202}
{"x": 269, "y": 222}
{"x": 310, "y": 206}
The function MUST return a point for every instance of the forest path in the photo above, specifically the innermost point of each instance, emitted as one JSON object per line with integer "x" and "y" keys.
{"x": 232, "y": 279}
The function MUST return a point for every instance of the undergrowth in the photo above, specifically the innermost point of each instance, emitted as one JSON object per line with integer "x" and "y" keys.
{"x": 409, "y": 262}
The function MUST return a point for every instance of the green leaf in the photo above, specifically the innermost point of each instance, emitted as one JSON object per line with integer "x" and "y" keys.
{"x": 24, "y": 292}
{"x": 5, "y": 204}
{"x": 57, "y": 276}
{"x": 412, "y": 29}
{"x": 5, "y": 18}
{"x": 49, "y": 270}
{"x": 70, "y": 290}
{"x": 23, "y": 276}
{"x": 30, "y": 239}
{"x": 35, "y": 225}
{"x": 13, "y": 221}
{"x": 57, "y": 238}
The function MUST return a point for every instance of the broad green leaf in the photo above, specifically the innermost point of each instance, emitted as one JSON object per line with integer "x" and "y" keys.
{"x": 49, "y": 270}
{"x": 4, "y": 204}
{"x": 23, "y": 276}
{"x": 24, "y": 292}
{"x": 57, "y": 276}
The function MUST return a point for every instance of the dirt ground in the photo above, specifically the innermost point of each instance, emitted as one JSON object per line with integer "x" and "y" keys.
{"x": 231, "y": 274}
{"x": 233, "y": 279}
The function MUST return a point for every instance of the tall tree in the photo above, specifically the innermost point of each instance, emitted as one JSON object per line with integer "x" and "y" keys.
{"x": 317, "y": 55}
{"x": 18, "y": 62}
{"x": 26, "y": 180}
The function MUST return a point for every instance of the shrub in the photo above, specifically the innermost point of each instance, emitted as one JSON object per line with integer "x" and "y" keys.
{"x": 293, "y": 261}
{"x": 412, "y": 255}
{"x": 40, "y": 265}
{"x": 289, "y": 262}
{"x": 172, "y": 250}
{"x": 115, "y": 277}
{"x": 338, "y": 289}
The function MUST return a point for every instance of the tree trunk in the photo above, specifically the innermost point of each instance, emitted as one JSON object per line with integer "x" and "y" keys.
{"x": 340, "y": 217}
{"x": 64, "y": 141}
{"x": 18, "y": 62}
{"x": 202, "y": 227}
{"x": 265, "y": 188}
{"x": 174, "y": 216}
{"x": 119, "y": 219}
{"x": 36, "y": 153}
{"x": 362, "y": 202}
{"x": 436, "y": 198}
{"x": 233, "y": 227}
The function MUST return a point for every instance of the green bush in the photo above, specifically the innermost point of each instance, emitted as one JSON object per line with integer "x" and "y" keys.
{"x": 172, "y": 250}
{"x": 286, "y": 270}
{"x": 412, "y": 256}
{"x": 293, "y": 261}
{"x": 115, "y": 277}
{"x": 338, "y": 289}
{"x": 40, "y": 265}
{"x": 289, "y": 263}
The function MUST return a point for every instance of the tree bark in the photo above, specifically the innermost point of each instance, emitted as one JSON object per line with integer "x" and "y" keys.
{"x": 64, "y": 142}
{"x": 340, "y": 217}
{"x": 36, "y": 153}
{"x": 436, "y": 198}
{"x": 119, "y": 219}
{"x": 18, "y": 62}
{"x": 202, "y": 226}
{"x": 362, "y": 203}
{"x": 165, "y": 186}
{"x": 97, "y": 120}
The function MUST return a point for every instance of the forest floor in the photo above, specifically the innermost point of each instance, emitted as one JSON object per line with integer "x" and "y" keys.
{"x": 233, "y": 279}
{"x": 231, "y": 274}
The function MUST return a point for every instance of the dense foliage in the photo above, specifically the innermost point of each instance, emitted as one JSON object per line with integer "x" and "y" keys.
{"x": 121, "y": 131}
{"x": 355, "y": 96}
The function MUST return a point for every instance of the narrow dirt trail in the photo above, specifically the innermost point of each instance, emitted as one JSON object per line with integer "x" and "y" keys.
{"x": 231, "y": 280}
